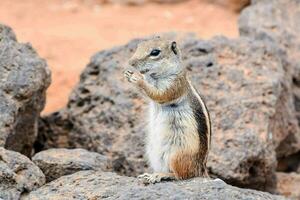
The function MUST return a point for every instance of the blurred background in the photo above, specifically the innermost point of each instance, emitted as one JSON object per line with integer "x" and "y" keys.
{"x": 68, "y": 32}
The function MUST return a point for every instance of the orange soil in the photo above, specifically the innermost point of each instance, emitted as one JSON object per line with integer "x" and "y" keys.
{"x": 67, "y": 32}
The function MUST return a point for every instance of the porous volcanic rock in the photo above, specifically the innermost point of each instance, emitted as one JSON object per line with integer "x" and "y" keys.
{"x": 242, "y": 80}
{"x": 24, "y": 78}
{"x": 53, "y": 131}
{"x": 17, "y": 175}
{"x": 106, "y": 185}
{"x": 290, "y": 163}
{"x": 277, "y": 21}
{"x": 59, "y": 162}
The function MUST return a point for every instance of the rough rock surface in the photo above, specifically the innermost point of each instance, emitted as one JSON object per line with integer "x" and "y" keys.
{"x": 24, "y": 78}
{"x": 278, "y": 21}
{"x": 288, "y": 184}
{"x": 17, "y": 175}
{"x": 59, "y": 162}
{"x": 106, "y": 114}
{"x": 289, "y": 164}
{"x": 101, "y": 185}
{"x": 53, "y": 131}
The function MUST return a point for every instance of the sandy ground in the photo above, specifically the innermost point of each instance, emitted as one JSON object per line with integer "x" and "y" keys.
{"x": 68, "y": 32}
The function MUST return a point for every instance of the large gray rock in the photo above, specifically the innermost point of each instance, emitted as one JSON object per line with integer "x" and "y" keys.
{"x": 234, "y": 76}
{"x": 278, "y": 21}
{"x": 59, "y": 162}
{"x": 17, "y": 175}
{"x": 24, "y": 78}
{"x": 242, "y": 80}
{"x": 100, "y": 185}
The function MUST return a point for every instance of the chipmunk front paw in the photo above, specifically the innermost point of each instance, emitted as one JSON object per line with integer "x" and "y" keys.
{"x": 133, "y": 77}
{"x": 155, "y": 178}
{"x": 149, "y": 178}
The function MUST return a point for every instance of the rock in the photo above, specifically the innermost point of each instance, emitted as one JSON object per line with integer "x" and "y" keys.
{"x": 278, "y": 21}
{"x": 100, "y": 185}
{"x": 234, "y": 76}
{"x": 290, "y": 163}
{"x": 6, "y": 33}
{"x": 53, "y": 131}
{"x": 105, "y": 114}
{"x": 24, "y": 78}
{"x": 17, "y": 175}
{"x": 59, "y": 162}
{"x": 288, "y": 184}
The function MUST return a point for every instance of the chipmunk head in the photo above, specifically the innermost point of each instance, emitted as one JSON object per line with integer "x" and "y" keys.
{"x": 157, "y": 58}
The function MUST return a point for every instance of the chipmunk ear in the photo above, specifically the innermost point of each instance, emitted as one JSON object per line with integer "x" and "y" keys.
{"x": 174, "y": 47}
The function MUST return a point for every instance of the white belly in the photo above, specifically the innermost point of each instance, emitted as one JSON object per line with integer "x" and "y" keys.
{"x": 165, "y": 136}
{"x": 158, "y": 151}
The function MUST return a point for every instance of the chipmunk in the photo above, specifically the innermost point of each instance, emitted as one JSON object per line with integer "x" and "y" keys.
{"x": 179, "y": 132}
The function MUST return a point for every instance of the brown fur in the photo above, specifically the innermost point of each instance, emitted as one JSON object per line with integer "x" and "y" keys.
{"x": 187, "y": 165}
{"x": 188, "y": 158}
{"x": 177, "y": 89}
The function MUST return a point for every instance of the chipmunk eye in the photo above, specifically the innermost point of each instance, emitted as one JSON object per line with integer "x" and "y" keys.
{"x": 155, "y": 52}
